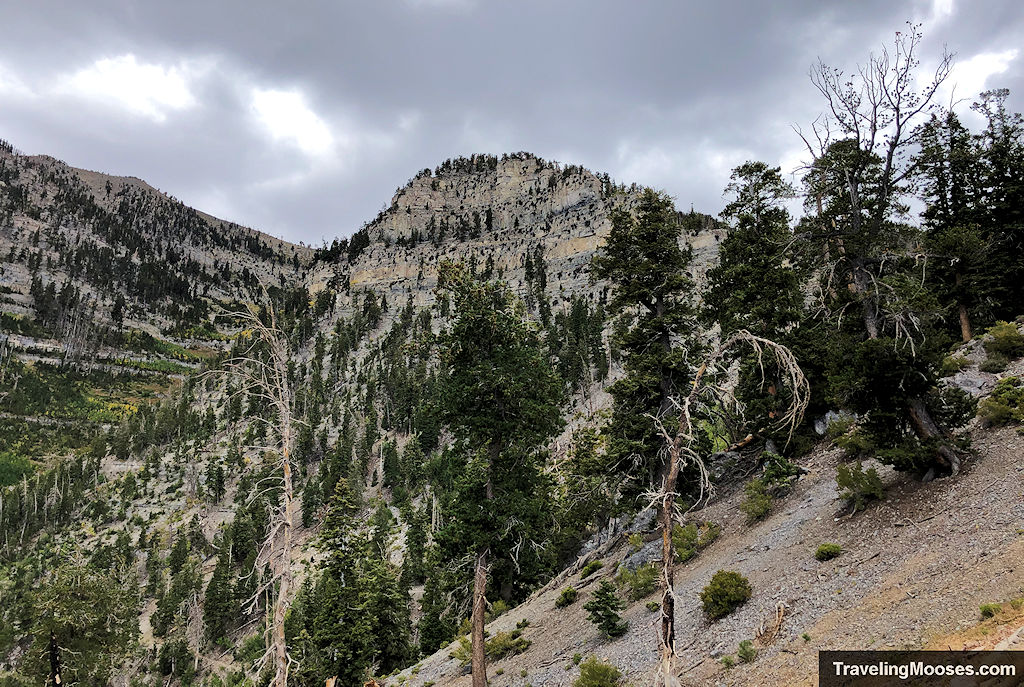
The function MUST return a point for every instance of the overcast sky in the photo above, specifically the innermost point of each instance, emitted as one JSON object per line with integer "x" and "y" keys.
{"x": 302, "y": 118}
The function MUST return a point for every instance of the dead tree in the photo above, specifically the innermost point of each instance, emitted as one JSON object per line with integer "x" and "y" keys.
{"x": 262, "y": 370}
{"x": 875, "y": 113}
{"x": 680, "y": 444}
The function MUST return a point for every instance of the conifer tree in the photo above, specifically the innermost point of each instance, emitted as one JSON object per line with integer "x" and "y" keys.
{"x": 502, "y": 401}
{"x": 652, "y": 297}
{"x": 754, "y": 288}
{"x": 603, "y": 611}
{"x": 219, "y": 606}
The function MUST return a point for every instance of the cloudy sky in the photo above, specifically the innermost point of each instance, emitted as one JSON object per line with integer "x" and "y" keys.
{"x": 301, "y": 118}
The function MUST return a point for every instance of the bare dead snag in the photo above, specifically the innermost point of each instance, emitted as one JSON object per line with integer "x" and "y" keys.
{"x": 680, "y": 445}
{"x": 263, "y": 372}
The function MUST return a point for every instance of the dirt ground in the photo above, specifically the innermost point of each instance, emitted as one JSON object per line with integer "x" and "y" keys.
{"x": 914, "y": 570}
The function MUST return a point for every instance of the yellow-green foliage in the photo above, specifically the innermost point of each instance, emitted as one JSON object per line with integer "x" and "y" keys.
{"x": 639, "y": 583}
{"x": 596, "y": 673}
{"x": 591, "y": 568}
{"x": 828, "y": 551}
{"x": 1004, "y": 339}
{"x": 506, "y": 644}
{"x": 568, "y": 596}
{"x": 688, "y": 540}
{"x": 500, "y": 646}
{"x": 1005, "y": 405}
{"x": 952, "y": 364}
{"x": 727, "y": 591}
{"x": 758, "y": 500}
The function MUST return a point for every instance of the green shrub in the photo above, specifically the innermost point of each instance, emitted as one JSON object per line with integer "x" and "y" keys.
{"x": 591, "y": 568}
{"x": 636, "y": 540}
{"x": 567, "y": 597}
{"x": 596, "y": 673}
{"x": 640, "y": 582}
{"x": 603, "y": 610}
{"x": 994, "y": 363}
{"x": 746, "y": 651}
{"x": 727, "y": 591}
{"x": 952, "y": 364}
{"x": 779, "y": 471}
{"x": 688, "y": 540}
{"x": 500, "y": 646}
{"x": 727, "y": 661}
{"x": 859, "y": 485}
{"x": 828, "y": 551}
{"x": 994, "y": 413}
{"x": 506, "y": 644}
{"x": 856, "y": 442}
{"x": 652, "y": 606}
{"x": 990, "y": 610}
{"x": 758, "y": 500}
{"x": 1004, "y": 339}
{"x": 1005, "y": 405}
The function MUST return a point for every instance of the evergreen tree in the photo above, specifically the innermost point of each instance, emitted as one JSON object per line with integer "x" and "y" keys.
{"x": 84, "y": 622}
{"x": 652, "y": 298}
{"x": 434, "y": 629}
{"x": 502, "y": 401}
{"x": 219, "y": 605}
{"x": 603, "y": 610}
{"x": 753, "y": 287}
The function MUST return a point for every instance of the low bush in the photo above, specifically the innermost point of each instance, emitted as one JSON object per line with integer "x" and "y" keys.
{"x": 640, "y": 582}
{"x": 779, "y": 471}
{"x": 727, "y": 591}
{"x": 568, "y": 596}
{"x": 746, "y": 651}
{"x": 1004, "y": 339}
{"x": 858, "y": 486}
{"x": 757, "y": 501}
{"x": 990, "y": 610}
{"x": 591, "y": 568}
{"x": 952, "y": 364}
{"x": 506, "y": 644}
{"x": 1005, "y": 405}
{"x": 994, "y": 363}
{"x": 596, "y": 673}
{"x": 689, "y": 540}
{"x": 828, "y": 551}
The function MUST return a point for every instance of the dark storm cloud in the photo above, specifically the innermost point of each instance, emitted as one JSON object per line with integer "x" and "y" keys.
{"x": 302, "y": 118}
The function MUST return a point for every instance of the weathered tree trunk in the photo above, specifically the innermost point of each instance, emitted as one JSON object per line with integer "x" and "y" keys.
{"x": 55, "y": 678}
{"x": 965, "y": 320}
{"x": 479, "y": 666}
{"x": 285, "y": 576}
{"x": 965, "y": 324}
{"x": 926, "y": 430}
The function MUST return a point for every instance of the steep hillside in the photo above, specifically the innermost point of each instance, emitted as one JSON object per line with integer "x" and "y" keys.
{"x": 149, "y": 478}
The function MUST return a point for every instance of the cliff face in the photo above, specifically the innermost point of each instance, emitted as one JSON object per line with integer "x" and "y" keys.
{"x": 495, "y": 213}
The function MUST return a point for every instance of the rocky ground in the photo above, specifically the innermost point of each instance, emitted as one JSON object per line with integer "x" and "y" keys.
{"x": 914, "y": 570}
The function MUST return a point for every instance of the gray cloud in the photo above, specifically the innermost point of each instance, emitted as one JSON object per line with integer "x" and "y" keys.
{"x": 356, "y": 97}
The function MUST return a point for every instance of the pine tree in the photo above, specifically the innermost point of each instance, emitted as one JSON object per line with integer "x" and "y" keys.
{"x": 502, "y": 401}
{"x": 433, "y": 628}
{"x": 415, "y": 545}
{"x": 387, "y": 603}
{"x": 219, "y": 605}
{"x": 603, "y": 611}
{"x": 652, "y": 298}
{"x": 753, "y": 287}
